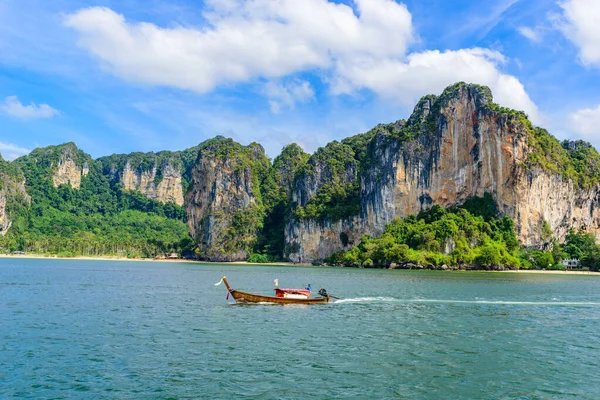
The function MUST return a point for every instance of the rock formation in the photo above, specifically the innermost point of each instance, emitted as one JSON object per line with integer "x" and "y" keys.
{"x": 168, "y": 189}
{"x": 453, "y": 147}
{"x": 224, "y": 204}
{"x": 68, "y": 171}
{"x": 4, "y": 221}
{"x": 160, "y": 176}
{"x": 13, "y": 195}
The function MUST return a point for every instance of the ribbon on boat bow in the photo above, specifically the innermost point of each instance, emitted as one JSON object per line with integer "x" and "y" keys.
{"x": 221, "y": 281}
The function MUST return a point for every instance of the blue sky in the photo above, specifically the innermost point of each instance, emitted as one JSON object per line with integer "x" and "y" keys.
{"x": 130, "y": 75}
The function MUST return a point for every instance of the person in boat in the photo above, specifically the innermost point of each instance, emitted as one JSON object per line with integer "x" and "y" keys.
{"x": 308, "y": 287}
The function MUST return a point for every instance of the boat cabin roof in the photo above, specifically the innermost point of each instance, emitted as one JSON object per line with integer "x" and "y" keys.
{"x": 291, "y": 290}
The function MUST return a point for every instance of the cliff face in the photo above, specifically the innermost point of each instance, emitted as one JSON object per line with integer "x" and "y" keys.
{"x": 329, "y": 171}
{"x": 310, "y": 239}
{"x": 168, "y": 189}
{"x": 452, "y": 148}
{"x": 13, "y": 195}
{"x": 68, "y": 171}
{"x": 4, "y": 221}
{"x": 162, "y": 176}
{"x": 224, "y": 204}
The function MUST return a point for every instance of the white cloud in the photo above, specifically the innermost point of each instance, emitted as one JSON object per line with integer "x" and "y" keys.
{"x": 14, "y": 107}
{"x": 532, "y": 34}
{"x": 586, "y": 123}
{"x": 579, "y": 24}
{"x": 432, "y": 71}
{"x": 245, "y": 40}
{"x": 288, "y": 94}
{"x": 11, "y": 151}
{"x": 255, "y": 39}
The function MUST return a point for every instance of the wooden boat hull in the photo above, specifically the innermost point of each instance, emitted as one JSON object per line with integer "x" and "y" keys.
{"x": 245, "y": 297}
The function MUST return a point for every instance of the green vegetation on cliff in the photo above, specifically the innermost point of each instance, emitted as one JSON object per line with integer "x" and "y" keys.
{"x": 231, "y": 227}
{"x": 577, "y": 160}
{"x": 440, "y": 237}
{"x": 9, "y": 171}
{"x": 264, "y": 199}
{"x": 276, "y": 189}
{"x": 99, "y": 218}
{"x": 17, "y": 201}
{"x": 470, "y": 235}
{"x": 337, "y": 198}
{"x": 182, "y": 161}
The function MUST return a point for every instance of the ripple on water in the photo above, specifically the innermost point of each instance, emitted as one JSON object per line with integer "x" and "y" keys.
{"x": 164, "y": 331}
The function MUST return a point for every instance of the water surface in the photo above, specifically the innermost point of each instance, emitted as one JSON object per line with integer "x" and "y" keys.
{"x": 149, "y": 330}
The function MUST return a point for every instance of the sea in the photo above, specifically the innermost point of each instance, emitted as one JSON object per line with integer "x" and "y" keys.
{"x": 73, "y": 329}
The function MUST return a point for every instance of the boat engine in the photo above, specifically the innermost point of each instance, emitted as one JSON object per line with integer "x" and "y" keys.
{"x": 323, "y": 292}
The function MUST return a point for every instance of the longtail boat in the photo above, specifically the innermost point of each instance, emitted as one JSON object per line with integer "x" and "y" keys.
{"x": 283, "y": 296}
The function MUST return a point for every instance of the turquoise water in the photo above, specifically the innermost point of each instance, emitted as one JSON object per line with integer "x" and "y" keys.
{"x": 143, "y": 330}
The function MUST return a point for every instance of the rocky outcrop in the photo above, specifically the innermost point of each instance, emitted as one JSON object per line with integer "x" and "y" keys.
{"x": 310, "y": 239}
{"x": 315, "y": 237}
{"x": 539, "y": 198}
{"x": 162, "y": 176}
{"x": 168, "y": 189}
{"x": 224, "y": 204}
{"x": 12, "y": 194}
{"x": 67, "y": 171}
{"x": 453, "y": 147}
{"x": 4, "y": 221}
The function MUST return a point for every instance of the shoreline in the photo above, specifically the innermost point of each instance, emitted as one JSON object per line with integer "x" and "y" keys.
{"x": 117, "y": 258}
{"x": 283, "y": 264}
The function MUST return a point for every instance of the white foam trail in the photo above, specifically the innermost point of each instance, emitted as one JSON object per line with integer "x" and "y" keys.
{"x": 366, "y": 300}
{"x": 440, "y": 301}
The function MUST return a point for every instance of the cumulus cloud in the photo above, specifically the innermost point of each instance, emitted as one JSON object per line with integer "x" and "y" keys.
{"x": 10, "y": 151}
{"x": 432, "y": 71}
{"x": 579, "y": 23}
{"x": 12, "y": 106}
{"x": 288, "y": 94}
{"x": 350, "y": 49}
{"x": 244, "y": 40}
{"x": 586, "y": 123}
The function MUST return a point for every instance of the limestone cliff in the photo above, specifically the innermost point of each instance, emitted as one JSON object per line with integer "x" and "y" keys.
{"x": 331, "y": 170}
{"x": 70, "y": 168}
{"x": 168, "y": 189}
{"x": 4, "y": 221}
{"x": 454, "y": 147}
{"x": 13, "y": 195}
{"x": 276, "y": 189}
{"x": 162, "y": 176}
{"x": 224, "y": 204}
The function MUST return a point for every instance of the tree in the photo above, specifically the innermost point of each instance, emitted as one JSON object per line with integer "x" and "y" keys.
{"x": 557, "y": 252}
{"x": 488, "y": 256}
{"x": 572, "y": 251}
{"x": 591, "y": 259}
{"x": 542, "y": 260}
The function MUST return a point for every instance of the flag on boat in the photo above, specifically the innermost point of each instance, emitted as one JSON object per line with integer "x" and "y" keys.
{"x": 276, "y": 282}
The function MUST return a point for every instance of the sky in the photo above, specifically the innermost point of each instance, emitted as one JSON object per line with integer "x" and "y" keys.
{"x": 117, "y": 76}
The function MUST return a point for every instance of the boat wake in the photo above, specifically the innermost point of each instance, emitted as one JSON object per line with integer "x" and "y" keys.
{"x": 491, "y": 302}
{"x": 368, "y": 300}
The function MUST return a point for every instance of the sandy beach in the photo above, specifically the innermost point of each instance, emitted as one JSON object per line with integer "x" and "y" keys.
{"x": 114, "y": 258}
